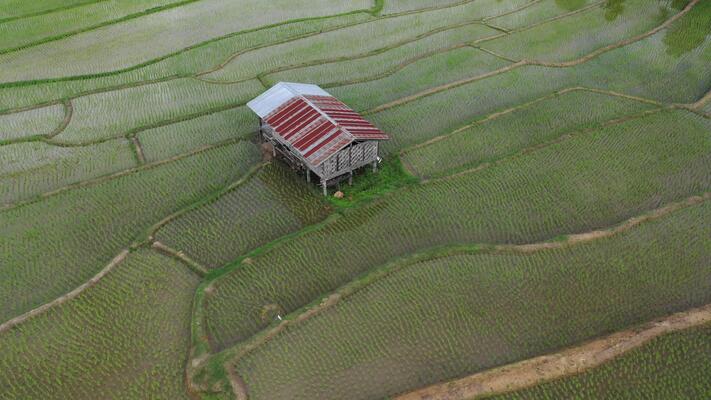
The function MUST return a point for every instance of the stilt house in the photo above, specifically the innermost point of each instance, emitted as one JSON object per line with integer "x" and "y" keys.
{"x": 315, "y": 132}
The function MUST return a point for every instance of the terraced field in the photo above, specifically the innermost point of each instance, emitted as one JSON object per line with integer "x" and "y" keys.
{"x": 547, "y": 183}
{"x": 672, "y": 366}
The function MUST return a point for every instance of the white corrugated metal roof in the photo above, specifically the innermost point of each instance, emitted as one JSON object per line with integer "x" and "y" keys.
{"x": 280, "y": 94}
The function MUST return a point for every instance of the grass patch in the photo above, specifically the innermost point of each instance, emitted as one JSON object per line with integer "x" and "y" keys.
{"x": 369, "y": 185}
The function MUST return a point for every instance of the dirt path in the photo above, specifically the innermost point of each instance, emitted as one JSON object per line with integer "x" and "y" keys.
{"x": 60, "y": 300}
{"x": 444, "y": 389}
{"x": 193, "y": 265}
{"x": 606, "y": 233}
{"x": 702, "y": 101}
{"x": 558, "y": 365}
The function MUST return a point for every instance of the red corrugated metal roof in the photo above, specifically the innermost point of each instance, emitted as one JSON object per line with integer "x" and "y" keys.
{"x": 319, "y": 126}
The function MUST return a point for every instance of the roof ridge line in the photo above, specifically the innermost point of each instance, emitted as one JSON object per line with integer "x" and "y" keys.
{"x": 324, "y": 114}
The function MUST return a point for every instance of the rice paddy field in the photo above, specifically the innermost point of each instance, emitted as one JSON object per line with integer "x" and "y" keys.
{"x": 547, "y": 183}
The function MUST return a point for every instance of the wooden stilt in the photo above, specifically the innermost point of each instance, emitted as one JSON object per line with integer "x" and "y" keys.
{"x": 308, "y": 175}
{"x": 350, "y": 179}
{"x": 375, "y": 166}
{"x": 325, "y": 190}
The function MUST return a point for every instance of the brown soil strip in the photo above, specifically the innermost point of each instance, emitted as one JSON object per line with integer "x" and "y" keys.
{"x": 495, "y": 54}
{"x": 95, "y": 181}
{"x": 193, "y": 265}
{"x": 349, "y": 289}
{"x": 559, "y": 365}
{"x": 60, "y": 300}
{"x": 606, "y": 233}
{"x": 702, "y": 101}
{"x": 594, "y": 54}
{"x": 238, "y": 386}
{"x": 496, "y": 27}
{"x": 139, "y": 150}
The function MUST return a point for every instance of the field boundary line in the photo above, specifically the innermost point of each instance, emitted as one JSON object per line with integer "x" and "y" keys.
{"x": 442, "y": 88}
{"x": 571, "y": 361}
{"x": 115, "y": 21}
{"x": 493, "y": 116}
{"x": 540, "y": 146}
{"x": 100, "y": 179}
{"x": 581, "y": 60}
{"x": 66, "y": 297}
{"x": 619, "y": 44}
{"x": 479, "y": 21}
{"x": 194, "y": 267}
{"x": 50, "y": 140}
{"x": 335, "y": 28}
{"x": 50, "y": 11}
{"x": 197, "y": 75}
{"x": 68, "y": 114}
{"x": 90, "y": 92}
{"x": 334, "y": 60}
{"x": 138, "y": 149}
{"x": 173, "y": 54}
{"x": 706, "y": 99}
{"x": 513, "y": 11}
{"x": 226, "y": 36}
{"x": 233, "y": 354}
{"x": 493, "y": 53}
{"x": 149, "y": 235}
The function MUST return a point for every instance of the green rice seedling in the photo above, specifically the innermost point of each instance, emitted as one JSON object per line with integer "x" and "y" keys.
{"x": 38, "y": 121}
{"x": 32, "y": 168}
{"x": 586, "y": 182}
{"x": 181, "y": 137}
{"x": 138, "y": 40}
{"x": 539, "y": 12}
{"x": 51, "y": 246}
{"x": 577, "y": 35}
{"x": 269, "y": 205}
{"x": 66, "y": 21}
{"x": 400, "y": 6}
{"x": 194, "y": 59}
{"x": 337, "y": 45}
{"x": 672, "y": 366}
{"x": 653, "y": 75}
{"x": 435, "y": 320}
{"x": 439, "y": 113}
{"x": 125, "y": 337}
{"x": 530, "y": 125}
{"x": 118, "y": 113}
{"x": 12, "y": 9}
{"x": 644, "y": 68}
{"x": 353, "y": 70}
